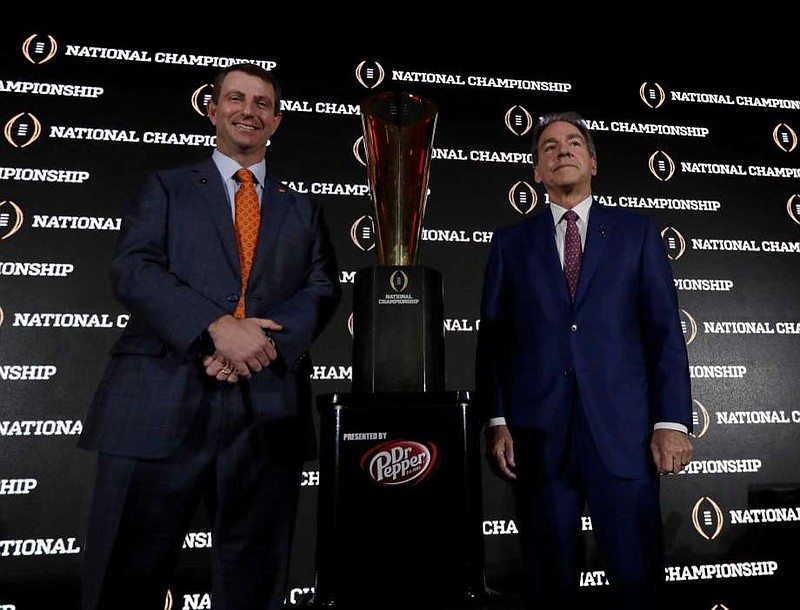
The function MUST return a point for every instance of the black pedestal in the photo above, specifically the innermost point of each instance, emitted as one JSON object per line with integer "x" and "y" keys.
{"x": 398, "y": 330}
{"x": 400, "y": 504}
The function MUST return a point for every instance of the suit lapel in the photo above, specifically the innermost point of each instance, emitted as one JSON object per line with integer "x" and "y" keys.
{"x": 598, "y": 235}
{"x": 275, "y": 203}
{"x": 544, "y": 242}
{"x": 208, "y": 181}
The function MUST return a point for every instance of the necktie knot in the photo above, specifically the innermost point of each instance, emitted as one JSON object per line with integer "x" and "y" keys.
{"x": 570, "y": 215}
{"x": 244, "y": 176}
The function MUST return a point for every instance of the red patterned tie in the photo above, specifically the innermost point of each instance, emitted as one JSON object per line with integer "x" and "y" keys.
{"x": 572, "y": 252}
{"x": 247, "y": 221}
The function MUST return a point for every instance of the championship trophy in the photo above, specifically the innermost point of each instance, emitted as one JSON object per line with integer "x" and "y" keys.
{"x": 398, "y": 312}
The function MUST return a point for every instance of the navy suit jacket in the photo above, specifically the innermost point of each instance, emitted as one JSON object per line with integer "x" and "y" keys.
{"x": 176, "y": 269}
{"x": 620, "y": 344}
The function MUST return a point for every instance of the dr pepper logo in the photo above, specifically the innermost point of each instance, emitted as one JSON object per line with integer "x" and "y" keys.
{"x": 400, "y": 462}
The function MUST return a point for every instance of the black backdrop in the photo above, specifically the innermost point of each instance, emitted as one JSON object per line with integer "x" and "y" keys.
{"x": 712, "y": 156}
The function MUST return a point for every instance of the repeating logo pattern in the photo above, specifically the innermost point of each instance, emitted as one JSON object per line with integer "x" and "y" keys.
{"x": 661, "y": 165}
{"x": 518, "y": 120}
{"x": 22, "y": 130}
{"x": 369, "y": 74}
{"x": 362, "y": 232}
{"x": 793, "y": 208}
{"x": 360, "y": 151}
{"x": 200, "y": 97}
{"x": 39, "y": 49}
{"x": 11, "y": 219}
{"x": 707, "y": 518}
{"x": 522, "y": 197}
{"x": 674, "y": 243}
{"x": 652, "y": 95}
{"x": 700, "y": 419}
{"x": 688, "y": 326}
{"x": 785, "y": 137}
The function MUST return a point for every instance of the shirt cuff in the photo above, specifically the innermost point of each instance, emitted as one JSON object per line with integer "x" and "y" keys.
{"x": 671, "y": 426}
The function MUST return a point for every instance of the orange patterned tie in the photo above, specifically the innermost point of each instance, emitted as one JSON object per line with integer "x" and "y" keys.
{"x": 247, "y": 221}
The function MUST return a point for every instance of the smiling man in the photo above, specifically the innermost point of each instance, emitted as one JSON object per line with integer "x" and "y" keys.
{"x": 229, "y": 277}
{"x": 583, "y": 377}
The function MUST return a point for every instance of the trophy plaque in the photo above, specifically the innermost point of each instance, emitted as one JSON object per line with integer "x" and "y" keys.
{"x": 398, "y": 312}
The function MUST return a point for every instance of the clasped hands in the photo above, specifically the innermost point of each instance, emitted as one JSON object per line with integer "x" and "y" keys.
{"x": 242, "y": 347}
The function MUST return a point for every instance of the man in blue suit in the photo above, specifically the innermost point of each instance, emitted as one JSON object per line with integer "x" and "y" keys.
{"x": 196, "y": 404}
{"x": 587, "y": 398}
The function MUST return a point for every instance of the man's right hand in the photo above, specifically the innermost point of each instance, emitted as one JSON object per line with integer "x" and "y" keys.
{"x": 243, "y": 344}
{"x": 500, "y": 450}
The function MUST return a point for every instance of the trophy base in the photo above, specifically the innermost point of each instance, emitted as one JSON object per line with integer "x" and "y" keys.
{"x": 398, "y": 330}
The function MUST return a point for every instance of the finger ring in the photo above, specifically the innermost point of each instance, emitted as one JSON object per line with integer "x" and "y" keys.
{"x": 226, "y": 371}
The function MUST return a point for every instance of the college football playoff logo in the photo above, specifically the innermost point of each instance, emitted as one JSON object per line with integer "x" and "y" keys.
{"x": 688, "y": 326}
{"x": 39, "y": 49}
{"x": 661, "y": 165}
{"x": 398, "y": 280}
{"x": 200, "y": 98}
{"x": 674, "y": 243}
{"x": 370, "y": 74}
{"x": 22, "y": 130}
{"x": 652, "y": 95}
{"x": 522, "y": 197}
{"x": 518, "y": 120}
{"x": 11, "y": 219}
{"x": 362, "y": 232}
{"x": 360, "y": 151}
{"x": 707, "y": 518}
{"x": 784, "y": 137}
{"x": 793, "y": 208}
{"x": 700, "y": 419}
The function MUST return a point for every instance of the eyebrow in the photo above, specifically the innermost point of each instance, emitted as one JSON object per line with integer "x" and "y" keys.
{"x": 572, "y": 136}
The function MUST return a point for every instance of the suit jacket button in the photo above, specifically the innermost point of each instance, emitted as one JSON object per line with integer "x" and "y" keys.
{"x": 232, "y": 298}
{"x": 569, "y": 372}
{"x": 574, "y": 328}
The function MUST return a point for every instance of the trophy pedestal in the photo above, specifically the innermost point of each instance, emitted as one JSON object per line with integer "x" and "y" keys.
{"x": 391, "y": 537}
{"x": 398, "y": 330}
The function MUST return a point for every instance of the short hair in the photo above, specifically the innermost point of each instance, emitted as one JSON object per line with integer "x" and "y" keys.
{"x": 571, "y": 117}
{"x": 252, "y": 70}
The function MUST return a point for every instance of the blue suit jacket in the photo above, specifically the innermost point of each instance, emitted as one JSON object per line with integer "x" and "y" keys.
{"x": 620, "y": 344}
{"x": 176, "y": 269}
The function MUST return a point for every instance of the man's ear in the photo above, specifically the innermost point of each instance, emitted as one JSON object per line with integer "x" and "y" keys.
{"x": 211, "y": 109}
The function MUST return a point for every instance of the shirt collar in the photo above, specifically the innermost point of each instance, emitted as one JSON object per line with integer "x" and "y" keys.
{"x": 582, "y": 210}
{"x": 228, "y": 167}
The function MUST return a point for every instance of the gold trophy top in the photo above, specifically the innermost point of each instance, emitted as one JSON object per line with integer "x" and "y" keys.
{"x": 398, "y": 136}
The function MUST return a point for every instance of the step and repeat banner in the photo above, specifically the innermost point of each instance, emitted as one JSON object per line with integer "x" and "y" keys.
{"x": 714, "y": 160}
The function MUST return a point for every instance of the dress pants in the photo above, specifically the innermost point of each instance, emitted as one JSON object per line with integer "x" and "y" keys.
{"x": 626, "y": 523}
{"x": 248, "y": 475}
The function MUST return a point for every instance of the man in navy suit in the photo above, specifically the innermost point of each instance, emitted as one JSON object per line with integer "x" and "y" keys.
{"x": 587, "y": 399}
{"x": 197, "y": 405}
